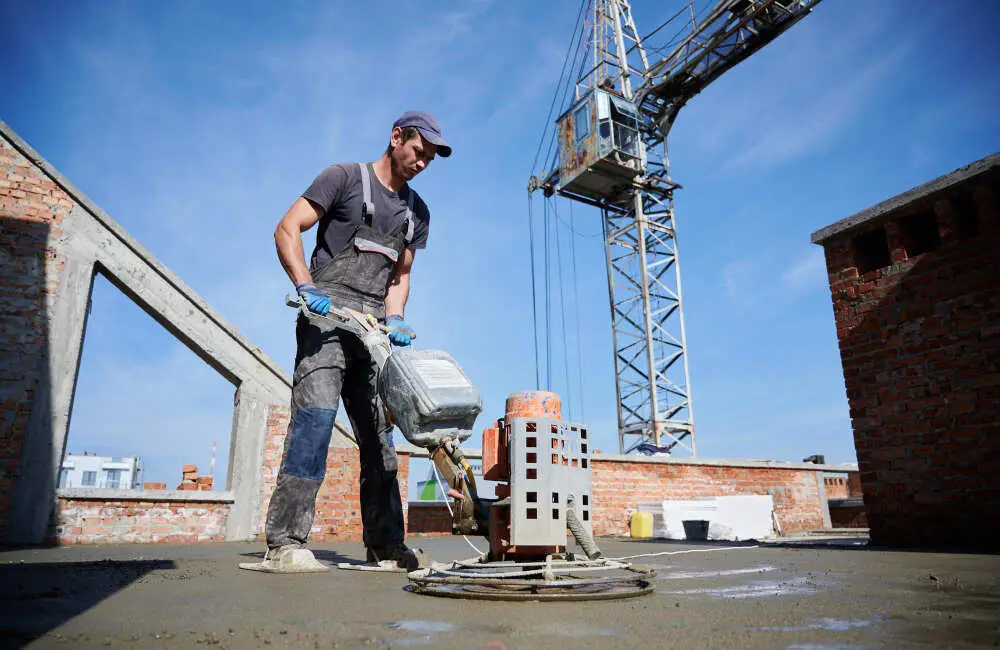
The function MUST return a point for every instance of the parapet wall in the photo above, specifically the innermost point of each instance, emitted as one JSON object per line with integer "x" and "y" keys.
{"x": 621, "y": 483}
{"x": 915, "y": 283}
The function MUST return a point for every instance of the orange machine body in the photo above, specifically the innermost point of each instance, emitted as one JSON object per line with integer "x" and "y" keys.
{"x": 496, "y": 467}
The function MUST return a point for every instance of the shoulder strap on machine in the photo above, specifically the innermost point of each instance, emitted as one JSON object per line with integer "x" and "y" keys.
{"x": 368, "y": 207}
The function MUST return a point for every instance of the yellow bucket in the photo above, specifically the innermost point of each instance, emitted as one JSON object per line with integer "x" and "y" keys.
{"x": 641, "y": 525}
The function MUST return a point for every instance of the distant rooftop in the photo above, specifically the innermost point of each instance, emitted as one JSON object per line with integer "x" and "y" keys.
{"x": 921, "y": 191}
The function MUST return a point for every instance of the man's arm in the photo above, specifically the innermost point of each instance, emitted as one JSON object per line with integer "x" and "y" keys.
{"x": 302, "y": 216}
{"x": 399, "y": 286}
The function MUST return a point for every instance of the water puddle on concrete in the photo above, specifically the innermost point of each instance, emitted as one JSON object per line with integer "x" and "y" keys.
{"x": 583, "y": 631}
{"x": 426, "y": 630}
{"x": 691, "y": 575}
{"x": 827, "y": 624}
{"x": 825, "y": 646}
{"x": 755, "y": 589}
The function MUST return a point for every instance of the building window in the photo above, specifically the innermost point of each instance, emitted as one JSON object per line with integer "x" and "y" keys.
{"x": 920, "y": 233}
{"x": 871, "y": 250}
{"x": 63, "y": 477}
{"x": 113, "y": 478}
{"x": 89, "y": 479}
{"x": 581, "y": 122}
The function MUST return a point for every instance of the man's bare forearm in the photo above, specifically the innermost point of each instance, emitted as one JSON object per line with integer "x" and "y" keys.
{"x": 302, "y": 216}
{"x": 292, "y": 255}
{"x": 397, "y": 295}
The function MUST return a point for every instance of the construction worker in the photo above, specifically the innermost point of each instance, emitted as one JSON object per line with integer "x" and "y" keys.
{"x": 371, "y": 222}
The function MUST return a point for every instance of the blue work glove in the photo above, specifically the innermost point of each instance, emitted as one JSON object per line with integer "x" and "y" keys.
{"x": 399, "y": 332}
{"x": 316, "y": 301}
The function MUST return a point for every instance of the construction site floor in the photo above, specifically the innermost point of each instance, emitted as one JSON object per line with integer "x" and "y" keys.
{"x": 192, "y": 596}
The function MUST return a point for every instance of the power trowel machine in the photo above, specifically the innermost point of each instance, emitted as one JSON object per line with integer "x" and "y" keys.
{"x": 541, "y": 464}
{"x": 428, "y": 396}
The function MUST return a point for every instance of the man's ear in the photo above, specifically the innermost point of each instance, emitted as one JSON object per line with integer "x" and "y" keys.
{"x": 396, "y": 138}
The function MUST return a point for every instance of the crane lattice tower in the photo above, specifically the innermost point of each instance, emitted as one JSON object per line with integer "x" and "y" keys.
{"x": 613, "y": 154}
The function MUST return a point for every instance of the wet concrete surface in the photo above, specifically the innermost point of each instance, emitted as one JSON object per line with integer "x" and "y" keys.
{"x": 164, "y": 597}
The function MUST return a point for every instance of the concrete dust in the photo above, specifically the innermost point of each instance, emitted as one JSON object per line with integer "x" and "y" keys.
{"x": 165, "y": 597}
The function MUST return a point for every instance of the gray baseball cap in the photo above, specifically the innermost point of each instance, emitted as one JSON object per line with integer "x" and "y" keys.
{"x": 428, "y": 127}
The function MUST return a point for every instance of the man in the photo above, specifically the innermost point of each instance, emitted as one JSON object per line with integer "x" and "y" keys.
{"x": 370, "y": 224}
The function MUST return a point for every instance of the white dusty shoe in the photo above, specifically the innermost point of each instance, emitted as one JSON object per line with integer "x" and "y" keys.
{"x": 287, "y": 559}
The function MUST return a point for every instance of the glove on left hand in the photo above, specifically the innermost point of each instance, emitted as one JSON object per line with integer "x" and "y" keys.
{"x": 316, "y": 301}
{"x": 399, "y": 332}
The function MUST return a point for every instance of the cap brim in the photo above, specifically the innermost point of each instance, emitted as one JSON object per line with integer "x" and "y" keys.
{"x": 443, "y": 149}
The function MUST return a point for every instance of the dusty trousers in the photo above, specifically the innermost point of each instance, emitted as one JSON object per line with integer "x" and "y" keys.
{"x": 330, "y": 365}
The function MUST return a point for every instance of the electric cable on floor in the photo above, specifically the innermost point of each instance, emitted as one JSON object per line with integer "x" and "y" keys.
{"x": 690, "y": 550}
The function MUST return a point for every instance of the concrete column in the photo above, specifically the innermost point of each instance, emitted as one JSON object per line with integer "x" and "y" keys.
{"x": 33, "y": 497}
{"x": 246, "y": 455}
{"x": 824, "y": 503}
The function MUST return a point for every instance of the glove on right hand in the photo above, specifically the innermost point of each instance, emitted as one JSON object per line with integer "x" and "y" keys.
{"x": 316, "y": 301}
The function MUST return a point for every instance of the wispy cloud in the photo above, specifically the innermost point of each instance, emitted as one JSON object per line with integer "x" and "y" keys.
{"x": 809, "y": 272}
{"x": 772, "y": 279}
{"x": 810, "y": 125}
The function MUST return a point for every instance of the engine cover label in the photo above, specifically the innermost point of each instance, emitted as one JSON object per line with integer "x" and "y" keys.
{"x": 439, "y": 373}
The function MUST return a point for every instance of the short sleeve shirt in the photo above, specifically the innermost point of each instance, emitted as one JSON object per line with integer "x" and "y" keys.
{"x": 338, "y": 191}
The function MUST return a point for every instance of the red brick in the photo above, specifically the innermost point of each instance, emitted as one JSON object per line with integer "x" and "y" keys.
{"x": 917, "y": 335}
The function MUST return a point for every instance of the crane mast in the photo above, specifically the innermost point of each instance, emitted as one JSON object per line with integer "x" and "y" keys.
{"x": 612, "y": 154}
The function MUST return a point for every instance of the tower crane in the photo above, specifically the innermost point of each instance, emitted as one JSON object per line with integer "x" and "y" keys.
{"x": 608, "y": 149}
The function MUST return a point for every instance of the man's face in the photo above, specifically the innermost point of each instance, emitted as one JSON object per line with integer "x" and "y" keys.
{"x": 411, "y": 157}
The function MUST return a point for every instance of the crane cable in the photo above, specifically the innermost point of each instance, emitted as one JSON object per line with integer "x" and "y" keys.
{"x": 562, "y": 75}
{"x": 552, "y": 227}
{"x": 576, "y": 298}
{"x": 534, "y": 293}
{"x": 548, "y": 303}
{"x": 562, "y": 311}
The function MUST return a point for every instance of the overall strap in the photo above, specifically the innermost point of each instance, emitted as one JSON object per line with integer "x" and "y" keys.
{"x": 368, "y": 206}
{"x": 409, "y": 216}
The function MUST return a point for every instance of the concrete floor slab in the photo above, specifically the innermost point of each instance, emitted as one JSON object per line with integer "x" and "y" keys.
{"x": 193, "y": 596}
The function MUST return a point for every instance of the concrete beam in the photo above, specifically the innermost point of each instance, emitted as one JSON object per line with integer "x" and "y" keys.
{"x": 107, "y": 494}
{"x": 885, "y": 208}
{"x": 723, "y": 462}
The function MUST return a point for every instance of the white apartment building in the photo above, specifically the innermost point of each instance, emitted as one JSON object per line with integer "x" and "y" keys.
{"x": 90, "y": 471}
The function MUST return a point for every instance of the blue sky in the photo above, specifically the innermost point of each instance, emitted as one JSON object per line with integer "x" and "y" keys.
{"x": 196, "y": 124}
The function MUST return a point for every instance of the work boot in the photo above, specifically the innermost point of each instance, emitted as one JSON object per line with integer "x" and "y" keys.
{"x": 294, "y": 559}
{"x": 404, "y": 557}
{"x": 290, "y": 558}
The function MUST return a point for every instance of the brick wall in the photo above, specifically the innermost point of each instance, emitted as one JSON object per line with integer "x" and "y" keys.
{"x": 32, "y": 209}
{"x": 836, "y": 487}
{"x": 428, "y": 518}
{"x": 854, "y": 485}
{"x": 916, "y": 298}
{"x": 89, "y": 521}
{"x": 620, "y": 485}
{"x": 337, "y": 507}
{"x": 848, "y": 513}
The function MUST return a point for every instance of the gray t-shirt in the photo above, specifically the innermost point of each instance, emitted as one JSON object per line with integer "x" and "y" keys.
{"x": 338, "y": 191}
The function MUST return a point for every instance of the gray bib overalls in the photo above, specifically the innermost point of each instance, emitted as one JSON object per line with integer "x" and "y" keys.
{"x": 331, "y": 365}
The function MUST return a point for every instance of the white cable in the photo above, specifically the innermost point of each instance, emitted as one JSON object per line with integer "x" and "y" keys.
{"x": 691, "y": 550}
{"x": 437, "y": 477}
